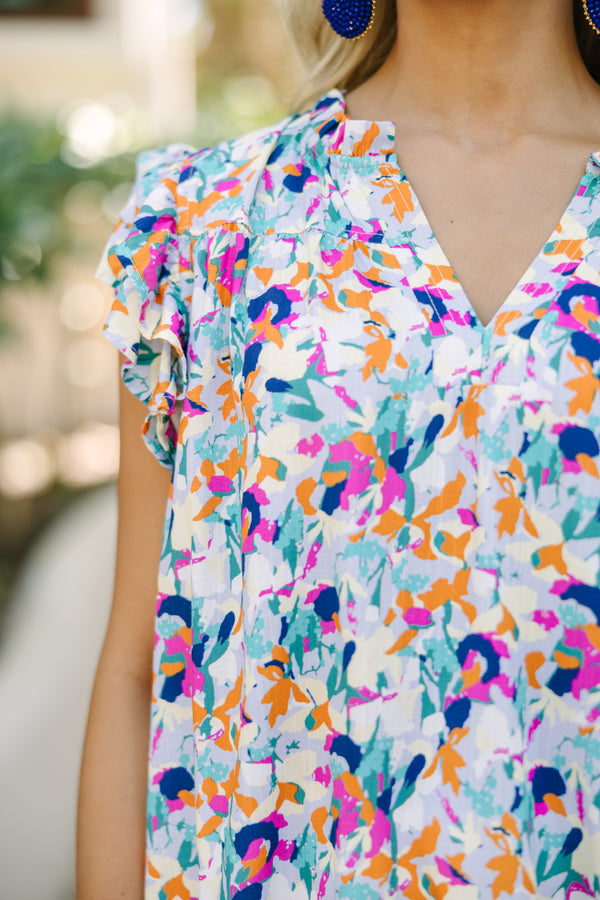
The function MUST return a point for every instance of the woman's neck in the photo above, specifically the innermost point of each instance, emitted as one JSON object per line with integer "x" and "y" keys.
{"x": 482, "y": 70}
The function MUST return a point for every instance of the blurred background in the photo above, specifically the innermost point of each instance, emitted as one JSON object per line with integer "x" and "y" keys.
{"x": 84, "y": 86}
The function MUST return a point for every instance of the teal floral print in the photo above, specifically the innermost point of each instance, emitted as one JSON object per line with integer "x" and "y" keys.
{"x": 377, "y": 645}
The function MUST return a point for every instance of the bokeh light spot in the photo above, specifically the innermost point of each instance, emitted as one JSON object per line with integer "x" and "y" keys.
{"x": 82, "y": 306}
{"x": 26, "y": 468}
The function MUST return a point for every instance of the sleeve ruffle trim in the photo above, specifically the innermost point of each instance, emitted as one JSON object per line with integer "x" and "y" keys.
{"x": 147, "y": 262}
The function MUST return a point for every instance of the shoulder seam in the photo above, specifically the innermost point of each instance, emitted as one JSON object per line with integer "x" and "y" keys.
{"x": 254, "y": 162}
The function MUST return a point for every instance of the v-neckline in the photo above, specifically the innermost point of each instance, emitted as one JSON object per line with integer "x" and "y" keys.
{"x": 372, "y": 145}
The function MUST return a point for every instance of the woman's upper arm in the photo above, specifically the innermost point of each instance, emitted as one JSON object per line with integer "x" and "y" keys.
{"x": 143, "y": 489}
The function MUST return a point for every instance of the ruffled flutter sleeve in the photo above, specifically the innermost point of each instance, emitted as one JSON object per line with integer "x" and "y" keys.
{"x": 147, "y": 262}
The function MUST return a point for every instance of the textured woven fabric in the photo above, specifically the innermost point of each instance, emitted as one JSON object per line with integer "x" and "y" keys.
{"x": 377, "y": 652}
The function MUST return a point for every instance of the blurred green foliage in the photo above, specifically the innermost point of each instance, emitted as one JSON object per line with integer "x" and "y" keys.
{"x": 35, "y": 178}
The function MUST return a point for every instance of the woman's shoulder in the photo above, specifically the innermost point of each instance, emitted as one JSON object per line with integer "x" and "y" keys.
{"x": 219, "y": 183}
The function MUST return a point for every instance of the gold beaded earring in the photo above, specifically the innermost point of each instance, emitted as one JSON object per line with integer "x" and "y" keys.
{"x": 351, "y": 19}
{"x": 591, "y": 10}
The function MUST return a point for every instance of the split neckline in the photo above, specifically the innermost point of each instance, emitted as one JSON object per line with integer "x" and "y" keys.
{"x": 365, "y": 151}
{"x": 375, "y": 140}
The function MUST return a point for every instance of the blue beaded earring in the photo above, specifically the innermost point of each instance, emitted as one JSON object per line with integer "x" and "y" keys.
{"x": 353, "y": 18}
{"x": 591, "y": 10}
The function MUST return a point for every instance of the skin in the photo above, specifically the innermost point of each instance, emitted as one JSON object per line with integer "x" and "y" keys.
{"x": 496, "y": 117}
{"x": 489, "y": 119}
{"x": 112, "y": 794}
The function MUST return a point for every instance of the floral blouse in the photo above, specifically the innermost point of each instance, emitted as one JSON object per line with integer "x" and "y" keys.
{"x": 377, "y": 642}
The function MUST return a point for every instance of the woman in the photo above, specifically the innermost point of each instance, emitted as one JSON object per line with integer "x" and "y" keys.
{"x": 377, "y": 643}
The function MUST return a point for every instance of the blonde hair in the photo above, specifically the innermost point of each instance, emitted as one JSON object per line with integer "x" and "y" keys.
{"x": 333, "y": 62}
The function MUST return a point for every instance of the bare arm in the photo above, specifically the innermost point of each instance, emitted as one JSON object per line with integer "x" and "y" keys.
{"x": 112, "y": 791}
